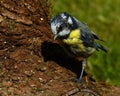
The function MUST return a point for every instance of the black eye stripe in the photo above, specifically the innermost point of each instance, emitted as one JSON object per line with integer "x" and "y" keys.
{"x": 59, "y": 29}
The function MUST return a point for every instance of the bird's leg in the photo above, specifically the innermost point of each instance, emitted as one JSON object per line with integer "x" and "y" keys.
{"x": 83, "y": 67}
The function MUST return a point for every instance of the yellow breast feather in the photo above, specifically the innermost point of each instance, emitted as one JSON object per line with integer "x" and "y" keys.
{"x": 74, "y": 40}
{"x": 73, "y": 37}
{"x": 75, "y": 34}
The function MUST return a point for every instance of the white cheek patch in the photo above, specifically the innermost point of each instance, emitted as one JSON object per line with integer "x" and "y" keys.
{"x": 64, "y": 32}
{"x": 54, "y": 27}
{"x": 70, "y": 20}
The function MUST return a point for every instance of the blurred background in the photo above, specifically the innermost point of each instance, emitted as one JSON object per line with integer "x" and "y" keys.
{"x": 103, "y": 17}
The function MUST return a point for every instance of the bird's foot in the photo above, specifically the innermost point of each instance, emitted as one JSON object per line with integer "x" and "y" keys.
{"x": 77, "y": 80}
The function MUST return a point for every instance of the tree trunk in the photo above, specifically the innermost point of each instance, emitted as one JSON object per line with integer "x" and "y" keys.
{"x": 30, "y": 63}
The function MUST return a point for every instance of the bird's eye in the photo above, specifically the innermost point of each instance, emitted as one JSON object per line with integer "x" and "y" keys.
{"x": 59, "y": 29}
{"x": 62, "y": 26}
{"x": 66, "y": 25}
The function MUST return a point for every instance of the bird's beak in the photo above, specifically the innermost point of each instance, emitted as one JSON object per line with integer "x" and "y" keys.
{"x": 55, "y": 36}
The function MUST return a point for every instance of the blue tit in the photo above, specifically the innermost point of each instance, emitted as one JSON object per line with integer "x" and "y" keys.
{"x": 76, "y": 36}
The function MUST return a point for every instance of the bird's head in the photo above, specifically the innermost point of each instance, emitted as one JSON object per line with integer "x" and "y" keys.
{"x": 62, "y": 24}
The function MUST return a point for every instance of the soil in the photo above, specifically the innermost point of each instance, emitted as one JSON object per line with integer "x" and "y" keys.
{"x": 31, "y": 63}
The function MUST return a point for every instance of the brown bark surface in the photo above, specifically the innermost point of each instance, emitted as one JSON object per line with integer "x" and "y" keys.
{"x": 30, "y": 63}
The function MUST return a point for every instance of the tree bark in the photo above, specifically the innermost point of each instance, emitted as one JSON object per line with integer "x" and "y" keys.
{"x": 31, "y": 64}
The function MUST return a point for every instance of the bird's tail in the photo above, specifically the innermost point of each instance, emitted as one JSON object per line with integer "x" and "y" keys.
{"x": 99, "y": 46}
